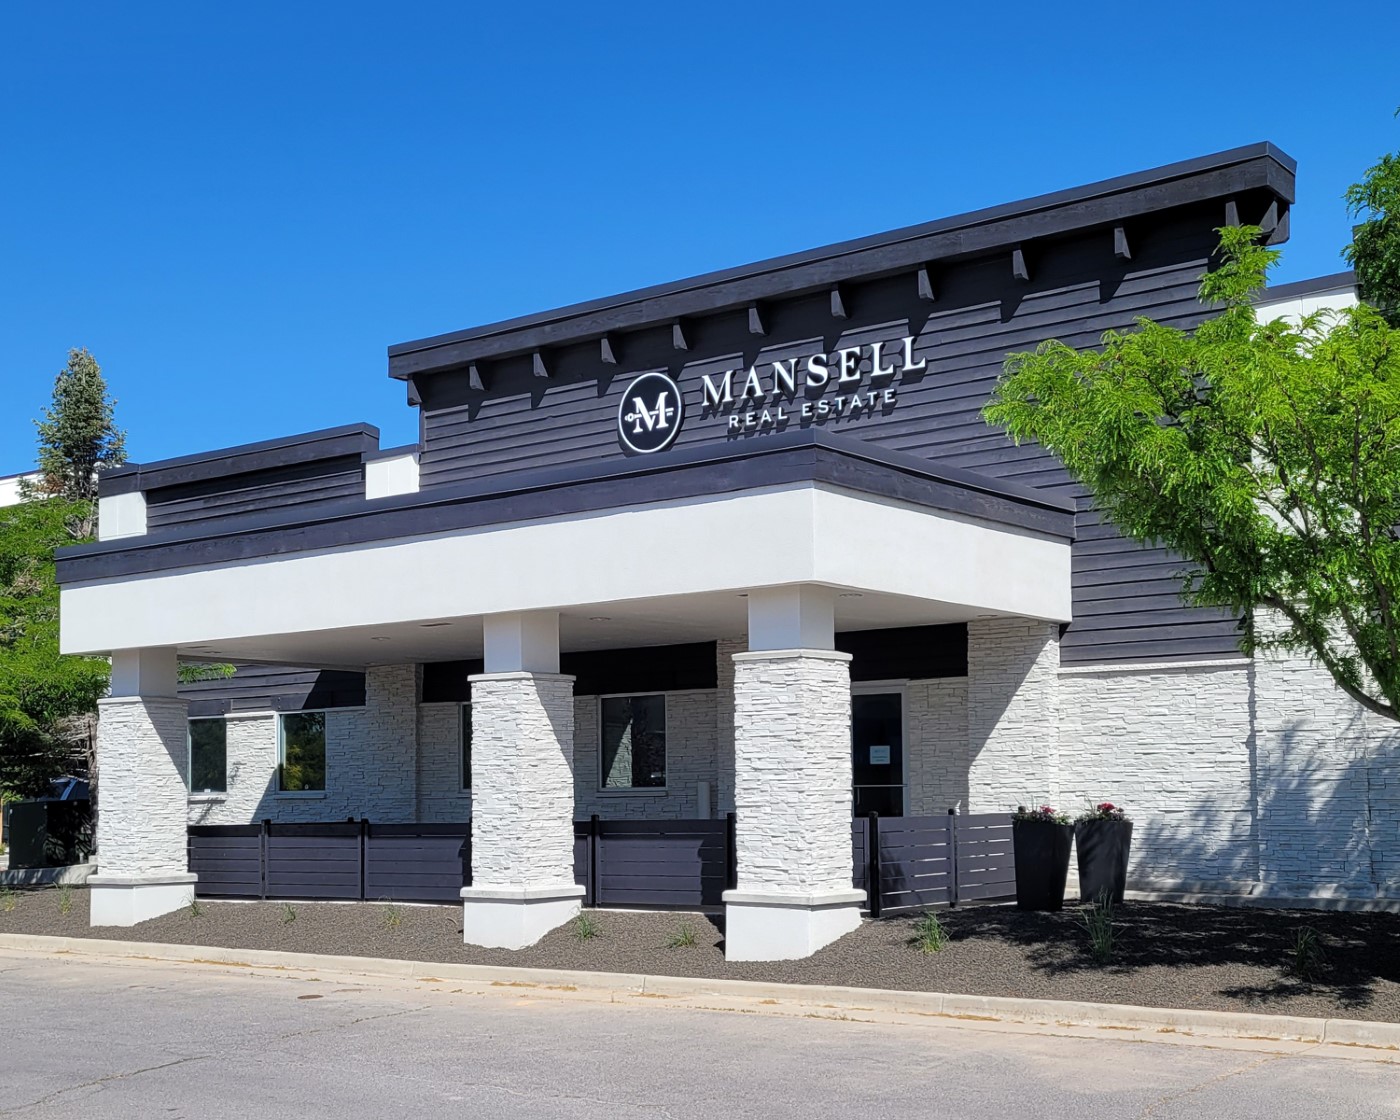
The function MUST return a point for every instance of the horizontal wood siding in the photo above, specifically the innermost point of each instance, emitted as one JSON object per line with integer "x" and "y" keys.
{"x": 986, "y": 859}
{"x": 283, "y": 688}
{"x": 300, "y": 485}
{"x": 916, "y": 862}
{"x": 313, "y": 861}
{"x": 227, "y": 859}
{"x": 416, "y": 863}
{"x": 661, "y": 863}
{"x": 1078, "y": 290}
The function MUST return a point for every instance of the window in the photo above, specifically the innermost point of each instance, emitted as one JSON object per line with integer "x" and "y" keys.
{"x": 466, "y": 746}
{"x": 634, "y": 742}
{"x": 208, "y": 756}
{"x": 301, "y": 752}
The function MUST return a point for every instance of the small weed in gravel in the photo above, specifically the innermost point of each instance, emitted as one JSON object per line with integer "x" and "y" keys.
{"x": 393, "y": 916}
{"x": 65, "y": 898}
{"x": 586, "y": 928}
{"x": 929, "y": 934}
{"x": 683, "y": 938}
{"x": 289, "y": 913}
{"x": 194, "y": 908}
{"x": 1098, "y": 923}
{"x": 1307, "y": 959}
{"x": 8, "y": 900}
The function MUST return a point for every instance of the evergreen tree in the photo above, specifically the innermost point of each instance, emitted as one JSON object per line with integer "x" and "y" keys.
{"x": 78, "y": 435}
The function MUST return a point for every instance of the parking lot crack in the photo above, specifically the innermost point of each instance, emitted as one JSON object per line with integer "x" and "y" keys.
{"x": 98, "y": 1082}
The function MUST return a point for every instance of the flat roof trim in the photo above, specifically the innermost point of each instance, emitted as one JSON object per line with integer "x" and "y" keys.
{"x": 638, "y": 299}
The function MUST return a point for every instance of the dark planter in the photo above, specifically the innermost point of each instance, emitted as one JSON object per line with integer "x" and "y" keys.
{"x": 1042, "y": 863}
{"x": 1103, "y": 857}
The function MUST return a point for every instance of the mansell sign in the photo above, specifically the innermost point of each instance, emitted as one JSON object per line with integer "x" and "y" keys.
{"x": 848, "y": 383}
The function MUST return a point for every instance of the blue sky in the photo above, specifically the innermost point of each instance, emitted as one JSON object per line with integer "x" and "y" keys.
{"x": 238, "y": 207}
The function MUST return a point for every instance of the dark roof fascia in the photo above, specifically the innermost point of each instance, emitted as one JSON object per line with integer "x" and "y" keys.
{"x": 326, "y": 443}
{"x": 391, "y": 452}
{"x": 1318, "y": 284}
{"x": 782, "y": 459}
{"x": 1224, "y": 174}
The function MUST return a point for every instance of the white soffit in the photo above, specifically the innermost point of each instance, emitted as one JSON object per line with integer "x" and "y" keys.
{"x": 802, "y": 534}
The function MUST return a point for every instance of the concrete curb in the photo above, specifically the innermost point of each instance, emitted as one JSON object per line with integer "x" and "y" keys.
{"x": 830, "y": 999}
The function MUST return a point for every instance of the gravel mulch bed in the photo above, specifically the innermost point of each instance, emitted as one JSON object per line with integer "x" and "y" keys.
{"x": 1206, "y": 957}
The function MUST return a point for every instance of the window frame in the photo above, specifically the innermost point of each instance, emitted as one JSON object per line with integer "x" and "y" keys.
{"x": 189, "y": 757}
{"x": 666, "y": 724}
{"x": 280, "y": 760}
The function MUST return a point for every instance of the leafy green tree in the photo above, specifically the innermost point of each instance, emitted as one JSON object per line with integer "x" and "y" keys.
{"x": 1266, "y": 453}
{"x": 78, "y": 435}
{"x": 47, "y": 701}
{"x": 1374, "y": 251}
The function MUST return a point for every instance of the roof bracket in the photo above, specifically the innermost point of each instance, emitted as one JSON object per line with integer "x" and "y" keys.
{"x": 606, "y": 351}
{"x": 1121, "y": 248}
{"x": 1269, "y": 222}
{"x": 926, "y": 284}
{"x": 415, "y": 394}
{"x": 537, "y": 362}
{"x": 756, "y": 323}
{"x": 1019, "y": 269}
{"x": 838, "y": 304}
{"x": 678, "y": 339}
{"x": 1232, "y": 212}
{"x": 474, "y": 377}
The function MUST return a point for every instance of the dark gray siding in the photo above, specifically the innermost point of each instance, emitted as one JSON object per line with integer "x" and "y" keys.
{"x": 1126, "y": 604}
{"x": 302, "y": 484}
{"x": 282, "y": 688}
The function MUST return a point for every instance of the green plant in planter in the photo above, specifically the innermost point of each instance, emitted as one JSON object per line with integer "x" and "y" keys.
{"x": 1103, "y": 837}
{"x": 1042, "y": 838}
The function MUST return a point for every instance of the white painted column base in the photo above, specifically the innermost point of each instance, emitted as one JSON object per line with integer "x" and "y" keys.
{"x": 762, "y": 926}
{"x": 516, "y": 917}
{"x": 119, "y": 900}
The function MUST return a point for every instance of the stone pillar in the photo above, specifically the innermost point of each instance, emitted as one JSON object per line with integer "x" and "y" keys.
{"x": 142, "y": 752}
{"x": 792, "y": 782}
{"x": 522, "y": 787}
{"x": 1013, "y": 713}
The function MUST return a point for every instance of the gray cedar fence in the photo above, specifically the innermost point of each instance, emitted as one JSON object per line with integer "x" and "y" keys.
{"x": 903, "y": 863}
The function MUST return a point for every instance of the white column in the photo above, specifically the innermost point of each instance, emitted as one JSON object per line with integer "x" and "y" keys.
{"x": 522, "y": 787}
{"x": 142, "y": 753}
{"x": 1013, "y": 713}
{"x": 792, "y": 781}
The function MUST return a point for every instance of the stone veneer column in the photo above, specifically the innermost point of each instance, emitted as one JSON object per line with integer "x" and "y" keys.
{"x": 522, "y": 788}
{"x": 142, "y": 751}
{"x": 792, "y": 791}
{"x": 1013, "y": 713}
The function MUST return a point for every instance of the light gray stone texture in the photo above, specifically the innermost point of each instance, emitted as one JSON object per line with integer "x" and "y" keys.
{"x": 792, "y": 771}
{"x": 523, "y": 780}
{"x": 142, "y": 749}
{"x": 441, "y": 798}
{"x": 1174, "y": 744}
{"x": 1012, "y": 713}
{"x": 935, "y": 746}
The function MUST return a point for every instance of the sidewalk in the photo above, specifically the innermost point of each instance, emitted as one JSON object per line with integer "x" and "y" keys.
{"x": 807, "y": 1000}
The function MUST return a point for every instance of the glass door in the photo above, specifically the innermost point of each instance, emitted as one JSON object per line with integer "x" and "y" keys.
{"x": 877, "y": 753}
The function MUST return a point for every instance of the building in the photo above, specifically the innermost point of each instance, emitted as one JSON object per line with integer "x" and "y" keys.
{"x": 743, "y": 543}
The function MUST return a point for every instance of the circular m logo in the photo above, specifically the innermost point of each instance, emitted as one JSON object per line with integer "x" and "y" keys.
{"x": 650, "y": 414}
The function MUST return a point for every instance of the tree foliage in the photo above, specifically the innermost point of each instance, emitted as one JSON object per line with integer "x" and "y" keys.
{"x": 1266, "y": 454}
{"x": 46, "y": 700}
{"x": 78, "y": 435}
{"x": 1374, "y": 251}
